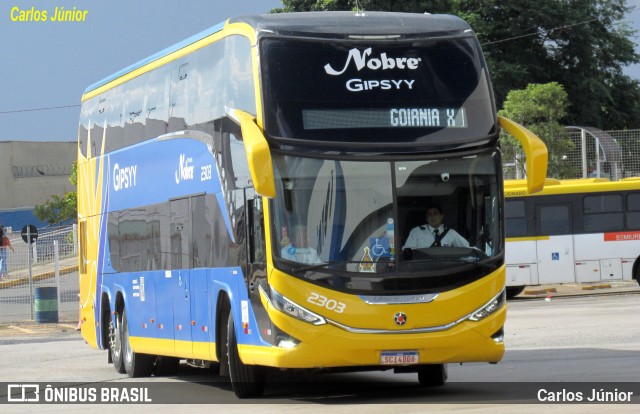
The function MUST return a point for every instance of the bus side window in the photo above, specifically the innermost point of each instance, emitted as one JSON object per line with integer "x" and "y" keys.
{"x": 256, "y": 231}
{"x": 516, "y": 218}
{"x": 554, "y": 220}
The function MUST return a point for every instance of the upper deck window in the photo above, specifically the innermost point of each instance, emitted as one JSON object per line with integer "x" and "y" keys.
{"x": 426, "y": 91}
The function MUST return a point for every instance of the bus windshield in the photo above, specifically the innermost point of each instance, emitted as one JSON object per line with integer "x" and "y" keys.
{"x": 337, "y": 218}
{"x": 433, "y": 91}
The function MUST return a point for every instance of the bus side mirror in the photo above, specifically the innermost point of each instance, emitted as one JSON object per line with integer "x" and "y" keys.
{"x": 258, "y": 153}
{"x": 535, "y": 151}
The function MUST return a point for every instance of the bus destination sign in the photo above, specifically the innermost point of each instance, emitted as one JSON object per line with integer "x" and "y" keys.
{"x": 384, "y": 118}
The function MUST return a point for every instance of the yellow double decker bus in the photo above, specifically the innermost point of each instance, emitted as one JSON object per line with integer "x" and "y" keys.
{"x": 246, "y": 194}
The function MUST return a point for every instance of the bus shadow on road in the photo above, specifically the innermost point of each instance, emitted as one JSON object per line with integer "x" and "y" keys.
{"x": 519, "y": 378}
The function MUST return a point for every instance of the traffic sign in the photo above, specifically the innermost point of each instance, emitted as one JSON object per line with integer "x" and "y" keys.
{"x": 29, "y": 233}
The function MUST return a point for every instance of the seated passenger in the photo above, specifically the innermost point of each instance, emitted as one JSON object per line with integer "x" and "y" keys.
{"x": 299, "y": 251}
{"x": 434, "y": 234}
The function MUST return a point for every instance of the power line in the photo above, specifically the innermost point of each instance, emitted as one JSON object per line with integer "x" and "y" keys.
{"x": 537, "y": 33}
{"x": 483, "y": 44}
{"x": 39, "y": 109}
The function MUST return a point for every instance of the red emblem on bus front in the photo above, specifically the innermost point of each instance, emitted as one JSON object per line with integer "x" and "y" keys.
{"x": 400, "y": 318}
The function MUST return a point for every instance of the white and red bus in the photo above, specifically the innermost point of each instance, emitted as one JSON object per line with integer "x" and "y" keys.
{"x": 574, "y": 231}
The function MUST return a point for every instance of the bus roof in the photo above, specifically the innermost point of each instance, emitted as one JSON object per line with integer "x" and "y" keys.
{"x": 518, "y": 188}
{"x": 383, "y": 25}
{"x": 352, "y": 25}
{"x": 156, "y": 56}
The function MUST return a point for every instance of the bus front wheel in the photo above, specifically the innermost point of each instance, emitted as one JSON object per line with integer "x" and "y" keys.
{"x": 247, "y": 381}
{"x": 513, "y": 291}
{"x": 432, "y": 375}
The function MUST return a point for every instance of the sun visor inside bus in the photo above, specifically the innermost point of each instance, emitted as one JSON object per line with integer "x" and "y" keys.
{"x": 535, "y": 150}
{"x": 258, "y": 154}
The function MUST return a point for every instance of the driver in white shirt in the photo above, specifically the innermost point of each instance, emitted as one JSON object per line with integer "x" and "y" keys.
{"x": 433, "y": 233}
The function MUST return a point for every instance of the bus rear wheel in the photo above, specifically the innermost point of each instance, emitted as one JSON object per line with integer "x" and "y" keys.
{"x": 247, "y": 381}
{"x": 115, "y": 343}
{"x": 135, "y": 364}
{"x": 432, "y": 375}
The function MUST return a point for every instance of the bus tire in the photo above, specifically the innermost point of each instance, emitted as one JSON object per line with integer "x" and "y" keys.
{"x": 135, "y": 364}
{"x": 115, "y": 343}
{"x": 247, "y": 381}
{"x": 434, "y": 375}
{"x": 513, "y": 291}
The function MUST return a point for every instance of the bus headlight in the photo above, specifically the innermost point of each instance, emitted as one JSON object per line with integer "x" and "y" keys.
{"x": 490, "y": 307}
{"x": 292, "y": 309}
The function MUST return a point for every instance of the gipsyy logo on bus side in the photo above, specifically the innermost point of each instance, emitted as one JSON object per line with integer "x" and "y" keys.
{"x": 361, "y": 60}
{"x": 124, "y": 177}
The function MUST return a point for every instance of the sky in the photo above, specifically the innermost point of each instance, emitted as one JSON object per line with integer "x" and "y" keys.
{"x": 49, "y": 64}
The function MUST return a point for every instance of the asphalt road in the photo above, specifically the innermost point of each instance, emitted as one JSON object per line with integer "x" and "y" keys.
{"x": 575, "y": 343}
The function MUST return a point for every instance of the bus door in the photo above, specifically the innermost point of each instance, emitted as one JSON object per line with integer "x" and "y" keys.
{"x": 256, "y": 274}
{"x": 555, "y": 252}
{"x": 179, "y": 280}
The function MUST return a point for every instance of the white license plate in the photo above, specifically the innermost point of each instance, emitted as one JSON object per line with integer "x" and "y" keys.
{"x": 399, "y": 357}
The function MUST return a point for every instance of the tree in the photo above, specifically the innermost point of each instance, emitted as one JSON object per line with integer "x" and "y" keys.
{"x": 412, "y": 6}
{"x": 58, "y": 209}
{"x": 581, "y": 44}
{"x": 540, "y": 108}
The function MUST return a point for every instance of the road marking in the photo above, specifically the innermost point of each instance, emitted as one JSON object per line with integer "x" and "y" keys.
{"x": 23, "y": 330}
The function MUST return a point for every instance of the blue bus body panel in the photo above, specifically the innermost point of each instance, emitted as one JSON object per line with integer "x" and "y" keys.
{"x": 139, "y": 176}
{"x": 175, "y": 299}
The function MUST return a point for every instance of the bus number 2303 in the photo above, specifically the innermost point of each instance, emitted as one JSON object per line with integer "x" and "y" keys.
{"x": 205, "y": 172}
{"x": 325, "y": 302}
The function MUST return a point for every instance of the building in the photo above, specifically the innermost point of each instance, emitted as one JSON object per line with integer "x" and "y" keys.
{"x": 30, "y": 173}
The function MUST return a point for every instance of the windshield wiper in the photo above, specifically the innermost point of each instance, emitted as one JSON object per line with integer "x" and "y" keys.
{"x": 311, "y": 267}
{"x": 324, "y": 265}
{"x": 465, "y": 260}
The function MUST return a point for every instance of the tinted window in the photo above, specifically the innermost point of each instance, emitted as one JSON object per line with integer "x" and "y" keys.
{"x": 554, "y": 220}
{"x": 400, "y": 91}
{"x": 516, "y": 219}
{"x": 633, "y": 202}
{"x": 602, "y": 204}
{"x": 633, "y": 215}
{"x": 602, "y": 213}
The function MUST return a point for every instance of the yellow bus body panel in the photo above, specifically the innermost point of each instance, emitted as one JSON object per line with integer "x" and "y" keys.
{"x": 90, "y": 175}
{"x": 331, "y": 346}
{"x": 205, "y": 351}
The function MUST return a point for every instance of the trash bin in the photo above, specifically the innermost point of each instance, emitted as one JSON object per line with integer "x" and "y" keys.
{"x": 46, "y": 304}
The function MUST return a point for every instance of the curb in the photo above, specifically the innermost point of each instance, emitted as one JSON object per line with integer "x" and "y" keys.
{"x": 22, "y": 280}
{"x": 579, "y": 289}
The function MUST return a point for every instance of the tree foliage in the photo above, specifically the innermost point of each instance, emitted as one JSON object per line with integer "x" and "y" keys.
{"x": 540, "y": 107}
{"x": 58, "y": 209}
{"x": 581, "y": 44}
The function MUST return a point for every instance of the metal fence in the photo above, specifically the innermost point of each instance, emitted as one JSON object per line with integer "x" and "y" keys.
{"x": 54, "y": 264}
{"x": 603, "y": 154}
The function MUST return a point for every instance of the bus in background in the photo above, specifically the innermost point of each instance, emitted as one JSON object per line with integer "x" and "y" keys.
{"x": 574, "y": 231}
{"x": 244, "y": 194}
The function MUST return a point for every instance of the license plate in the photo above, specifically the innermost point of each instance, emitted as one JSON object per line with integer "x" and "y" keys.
{"x": 399, "y": 357}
